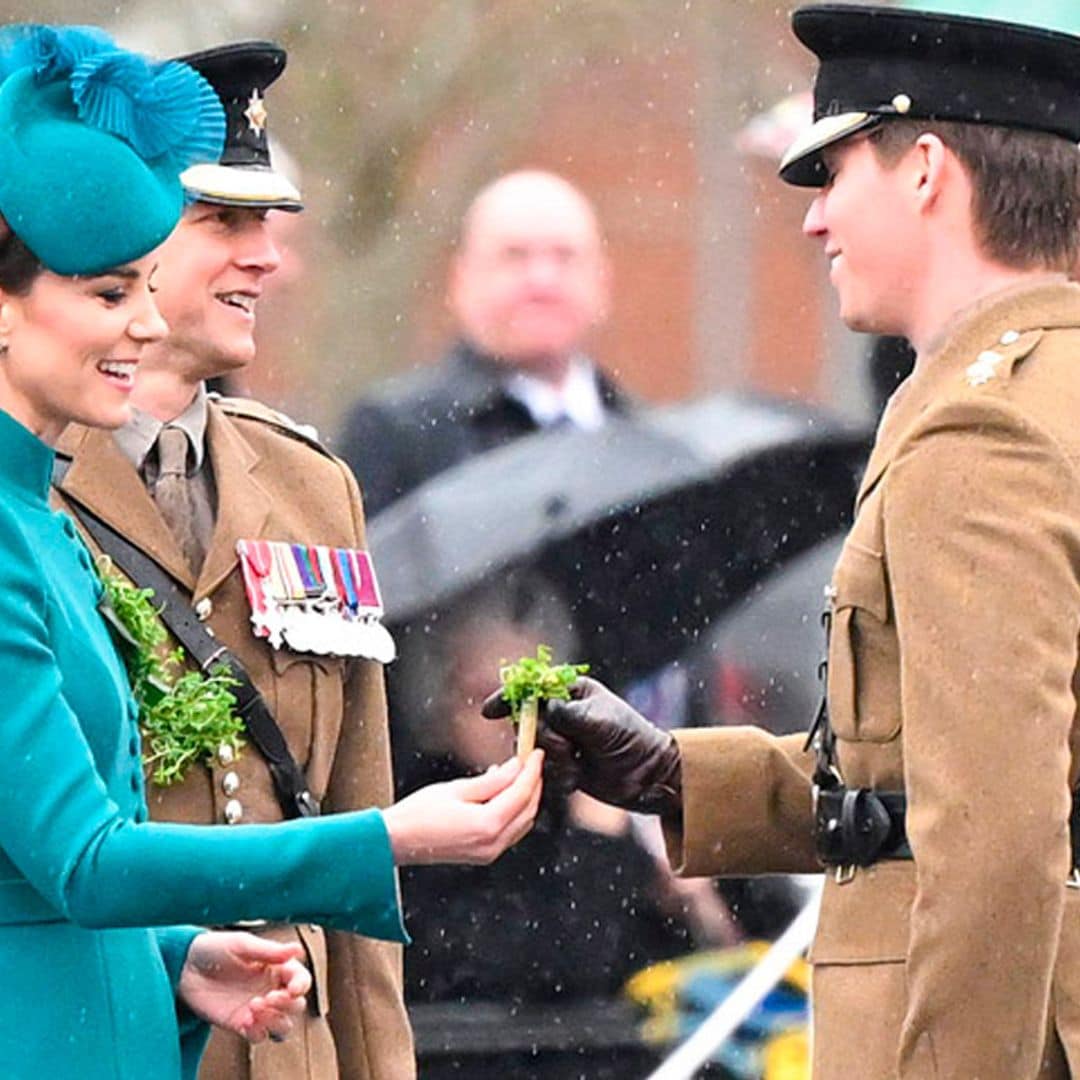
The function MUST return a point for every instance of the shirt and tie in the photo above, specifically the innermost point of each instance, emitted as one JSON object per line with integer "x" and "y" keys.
{"x": 171, "y": 458}
{"x": 576, "y": 402}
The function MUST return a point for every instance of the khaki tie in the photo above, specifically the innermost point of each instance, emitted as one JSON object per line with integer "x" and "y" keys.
{"x": 173, "y": 494}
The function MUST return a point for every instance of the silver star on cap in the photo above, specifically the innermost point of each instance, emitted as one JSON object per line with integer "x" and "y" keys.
{"x": 256, "y": 112}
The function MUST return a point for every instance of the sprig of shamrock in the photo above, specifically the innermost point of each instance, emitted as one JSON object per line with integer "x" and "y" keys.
{"x": 535, "y": 678}
{"x": 185, "y": 716}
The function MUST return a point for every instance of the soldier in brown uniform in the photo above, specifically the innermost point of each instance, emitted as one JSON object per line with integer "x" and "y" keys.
{"x": 938, "y": 788}
{"x": 253, "y": 474}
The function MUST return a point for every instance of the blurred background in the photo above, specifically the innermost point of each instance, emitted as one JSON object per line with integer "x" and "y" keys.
{"x": 399, "y": 113}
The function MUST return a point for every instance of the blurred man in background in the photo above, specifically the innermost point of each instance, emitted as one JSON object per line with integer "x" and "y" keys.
{"x": 528, "y": 283}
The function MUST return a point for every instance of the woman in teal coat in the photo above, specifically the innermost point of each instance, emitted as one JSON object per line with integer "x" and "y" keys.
{"x": 103, "y": 978}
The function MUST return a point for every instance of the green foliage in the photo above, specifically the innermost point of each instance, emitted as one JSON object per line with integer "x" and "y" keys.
{"x": 185, "y": 715}
{"x": 535, "y": 678}
{"x": 190, "y": 722}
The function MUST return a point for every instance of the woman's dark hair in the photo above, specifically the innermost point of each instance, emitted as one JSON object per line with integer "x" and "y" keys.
{"x": 19, "y": 266}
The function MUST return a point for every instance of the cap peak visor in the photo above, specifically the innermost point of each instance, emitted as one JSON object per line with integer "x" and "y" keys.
{"x": 235, "y": 185}
{"x": 802, "y": 164}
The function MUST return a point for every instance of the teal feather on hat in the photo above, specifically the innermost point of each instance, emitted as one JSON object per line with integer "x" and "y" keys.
{"x": 158, "y": 109}
{"x": 51, "y": 51}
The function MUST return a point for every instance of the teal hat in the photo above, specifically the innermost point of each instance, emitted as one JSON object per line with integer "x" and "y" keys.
{"x": 92, "y": 143}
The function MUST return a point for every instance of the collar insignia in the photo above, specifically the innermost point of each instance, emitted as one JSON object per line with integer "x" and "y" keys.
{"x": 984, "y": 369}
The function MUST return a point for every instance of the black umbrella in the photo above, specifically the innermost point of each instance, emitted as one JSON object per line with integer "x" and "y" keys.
{"x": 651, "y": 526}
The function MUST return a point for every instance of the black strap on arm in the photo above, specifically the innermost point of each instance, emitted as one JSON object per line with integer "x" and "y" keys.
{"x": 290, "y": 784}
{"x": 821, "y": 738}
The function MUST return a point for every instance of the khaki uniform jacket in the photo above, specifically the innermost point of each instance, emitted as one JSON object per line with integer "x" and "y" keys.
{"x": 953, "y": 676}
{"x": 273, "y": 484}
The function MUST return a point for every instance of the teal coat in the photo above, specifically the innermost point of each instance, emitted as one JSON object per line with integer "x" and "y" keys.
{"x": 91, "y": 892}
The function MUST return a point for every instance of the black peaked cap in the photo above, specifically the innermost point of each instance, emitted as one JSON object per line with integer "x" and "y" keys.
{"x": 240, "y": 73}
{"x": 877, "y": 62}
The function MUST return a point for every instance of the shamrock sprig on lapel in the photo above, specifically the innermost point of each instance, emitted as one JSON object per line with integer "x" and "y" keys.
{"x": 185, "y": 716}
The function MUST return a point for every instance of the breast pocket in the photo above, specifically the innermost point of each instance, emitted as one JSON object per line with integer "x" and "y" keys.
{"x": 864, "y": 679}
{"x": 308, "y": 704}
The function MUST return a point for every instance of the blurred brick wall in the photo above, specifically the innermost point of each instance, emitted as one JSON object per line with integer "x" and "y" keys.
{"x": 715, "y": 288}
{"x": 629, "y": 135}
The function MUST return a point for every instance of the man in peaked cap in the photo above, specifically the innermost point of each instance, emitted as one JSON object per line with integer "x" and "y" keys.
{"x": 246, "y": 472}
{"x": 938, "y": 787}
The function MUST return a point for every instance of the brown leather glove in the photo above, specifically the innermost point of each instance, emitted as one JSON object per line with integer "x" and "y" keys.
{"x": 600, "y": 744}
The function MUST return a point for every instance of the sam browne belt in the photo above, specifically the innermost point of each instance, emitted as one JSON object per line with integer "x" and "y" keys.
{"x": 175, "y": 611}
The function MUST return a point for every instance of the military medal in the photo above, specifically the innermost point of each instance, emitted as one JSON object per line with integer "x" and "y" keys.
{"x": 256, "y": 563}
{"x": 315, "y": 599}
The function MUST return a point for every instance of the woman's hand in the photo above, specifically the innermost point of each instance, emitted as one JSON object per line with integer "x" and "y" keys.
{"x": 473, "y": 820}
{"x": 245, "y": 984}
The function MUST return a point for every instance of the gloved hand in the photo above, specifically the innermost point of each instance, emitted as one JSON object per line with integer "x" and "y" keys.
{"x": 600, "y": 744}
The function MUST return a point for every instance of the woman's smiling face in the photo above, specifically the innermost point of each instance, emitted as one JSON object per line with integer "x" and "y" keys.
{"x": 73, "y": 345}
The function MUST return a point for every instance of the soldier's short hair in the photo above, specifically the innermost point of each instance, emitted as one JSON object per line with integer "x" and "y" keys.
{"x": 1026, "y": 200}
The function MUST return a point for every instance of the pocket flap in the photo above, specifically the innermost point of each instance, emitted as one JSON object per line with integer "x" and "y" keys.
{"x": 859, "y": 581}
{"x": 866, "y": 920}
{"x": 283, "y": 660}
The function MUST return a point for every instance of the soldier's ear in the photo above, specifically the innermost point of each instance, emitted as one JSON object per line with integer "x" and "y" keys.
{"x": 933, "y": 166}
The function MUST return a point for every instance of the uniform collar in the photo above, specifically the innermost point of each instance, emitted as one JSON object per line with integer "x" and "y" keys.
{"x": 100, "y": 478}
{"x": 103, "y": 480}
{"x": 137, "y": 437}
{"x": 244, "y": 504}
{"x": 1044, "y": 302}
{"x": 28, "y": 462}
{"x": 1000, "y": 324}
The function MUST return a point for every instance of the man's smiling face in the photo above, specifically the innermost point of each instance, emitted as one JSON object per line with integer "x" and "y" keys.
{"x": 210, "y": 278}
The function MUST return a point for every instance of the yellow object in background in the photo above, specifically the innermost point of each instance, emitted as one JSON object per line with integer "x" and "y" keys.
{"x": 787, "y": 1057}
{"x": 674, "y": 990}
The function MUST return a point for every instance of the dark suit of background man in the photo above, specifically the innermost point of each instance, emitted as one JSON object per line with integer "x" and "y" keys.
{"x": 528, "y": 283}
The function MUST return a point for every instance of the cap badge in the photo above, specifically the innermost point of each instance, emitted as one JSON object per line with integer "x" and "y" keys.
{"x": 255, "y": 113}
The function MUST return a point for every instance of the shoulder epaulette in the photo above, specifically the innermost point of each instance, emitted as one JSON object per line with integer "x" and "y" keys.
{"x": 249, "y": 409}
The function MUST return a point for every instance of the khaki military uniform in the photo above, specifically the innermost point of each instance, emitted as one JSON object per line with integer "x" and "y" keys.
{"x": 953, "y": 676}
{"x": 273, "y": 484}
